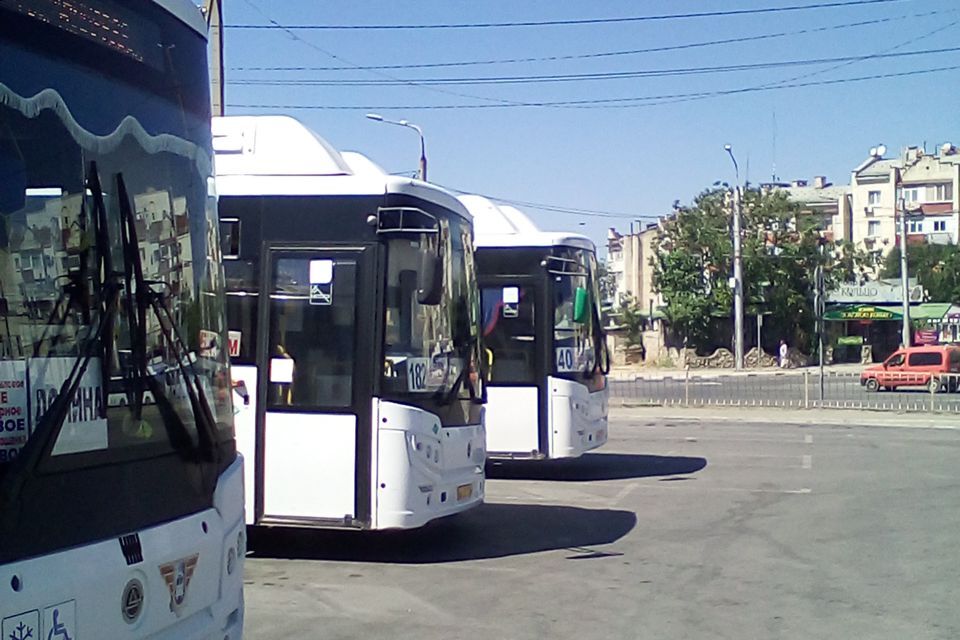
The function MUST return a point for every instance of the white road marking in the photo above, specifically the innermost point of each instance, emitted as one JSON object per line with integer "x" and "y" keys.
{"x": 808, "y": 439}
{"x": 623, "y": 493}
{"x": 808, "y": 462}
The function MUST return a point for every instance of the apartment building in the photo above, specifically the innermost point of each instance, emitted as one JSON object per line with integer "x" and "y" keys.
{"x": 629, "y": 263}
{"x": 829, "y": 202}
{"x": 924, "y": 186}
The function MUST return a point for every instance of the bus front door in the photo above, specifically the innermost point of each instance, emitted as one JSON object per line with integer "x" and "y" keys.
{"x": 314, "y": 435}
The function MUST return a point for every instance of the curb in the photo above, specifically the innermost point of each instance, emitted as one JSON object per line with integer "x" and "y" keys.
{"x": 786, "y": 416}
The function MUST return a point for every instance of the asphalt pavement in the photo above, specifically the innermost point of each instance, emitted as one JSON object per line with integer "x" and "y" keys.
{"x": 683, "y": 526}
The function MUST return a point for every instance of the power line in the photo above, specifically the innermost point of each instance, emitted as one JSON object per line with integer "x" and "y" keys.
{"x": 554, "y": 23}
{"x": 293, "y": 35}
{"x": 637, "y": 101}
{"x": 601, "y": 54}
{"x": 579, "y": 77}
{"x": 556, "y": 208}
{"x": 819, "y": 72}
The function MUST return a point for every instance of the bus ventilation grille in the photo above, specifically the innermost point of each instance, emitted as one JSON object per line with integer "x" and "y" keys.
{"x": 132, "y": 551}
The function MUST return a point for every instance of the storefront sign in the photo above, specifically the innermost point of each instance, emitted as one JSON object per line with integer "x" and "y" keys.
{"x": 878, "y": 292}
{"x": 850, "y": 341}
{"x": 862, "y": 312}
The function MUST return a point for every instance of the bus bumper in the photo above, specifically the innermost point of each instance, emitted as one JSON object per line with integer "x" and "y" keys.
{"x": 424, "y": 471}
{"x": 577, "y": 418}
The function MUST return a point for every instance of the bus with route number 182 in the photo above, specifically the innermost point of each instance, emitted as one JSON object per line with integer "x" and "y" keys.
{"x": 121, "y": 491}
{"x": 354, "y": 322}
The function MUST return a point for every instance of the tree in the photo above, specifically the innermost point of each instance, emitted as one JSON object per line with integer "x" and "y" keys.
{"x": 782, "y": 246}
{"x": 935, "y": 266}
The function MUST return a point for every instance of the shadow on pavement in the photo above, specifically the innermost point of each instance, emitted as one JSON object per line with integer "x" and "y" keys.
{"x": 489, "y": 531}
{"x": 594, "y": 466}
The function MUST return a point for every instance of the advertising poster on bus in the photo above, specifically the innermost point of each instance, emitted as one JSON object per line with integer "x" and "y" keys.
{"x": 14, "y": 422}
{"x": 84, "y": 428}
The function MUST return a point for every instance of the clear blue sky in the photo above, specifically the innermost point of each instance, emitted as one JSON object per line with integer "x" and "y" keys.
{"x": 635, "y": 161}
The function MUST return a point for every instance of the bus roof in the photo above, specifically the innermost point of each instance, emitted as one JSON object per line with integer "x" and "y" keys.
{"x": 506, "y": 226}
{"x": 280, "y": 156}
{"x": 188, "y": 12}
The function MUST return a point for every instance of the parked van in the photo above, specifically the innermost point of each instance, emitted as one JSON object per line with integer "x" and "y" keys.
{"x": 935, "y": 367}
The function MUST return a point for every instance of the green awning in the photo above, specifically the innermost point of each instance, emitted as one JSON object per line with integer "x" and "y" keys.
{"x": 929, "y": 311}
{"x": 862, "y": 312}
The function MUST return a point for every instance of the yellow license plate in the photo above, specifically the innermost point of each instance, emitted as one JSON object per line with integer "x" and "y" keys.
{"x": 464, "y": 492}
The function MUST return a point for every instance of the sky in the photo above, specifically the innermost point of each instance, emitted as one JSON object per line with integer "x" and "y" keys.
{"x": 620, "y": 165}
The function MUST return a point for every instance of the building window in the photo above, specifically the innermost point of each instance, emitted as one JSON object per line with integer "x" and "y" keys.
{"x": 940, "y": 192}
{"x": 873, "y": 228}
{"x": 873, "y": 197}
{"x": 915, "y": 226}
{"x": 911, "y": 195}
{"x": 939, "y": 225}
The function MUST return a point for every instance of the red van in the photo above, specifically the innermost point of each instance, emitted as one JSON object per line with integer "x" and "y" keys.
{"x": 935, "y": 367}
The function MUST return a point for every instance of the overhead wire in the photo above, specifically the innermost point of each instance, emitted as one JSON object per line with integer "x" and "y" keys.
{"x": 613, "y": 75}
{"x": 571, "y": 22}
{"x": 600, "y": 54}
{"x": 626, "y": 102}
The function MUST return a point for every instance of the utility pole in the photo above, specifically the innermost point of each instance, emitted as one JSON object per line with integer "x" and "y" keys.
{"x": 737, "y": 268}
{"x": 213, "y": 11}
{"x": 904, "y": 281}
{"x": 737, "y": 282}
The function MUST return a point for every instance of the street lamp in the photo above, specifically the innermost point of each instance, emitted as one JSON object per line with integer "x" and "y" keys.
{"x": 409, "y": 125}
{"x": 737, "y": 267}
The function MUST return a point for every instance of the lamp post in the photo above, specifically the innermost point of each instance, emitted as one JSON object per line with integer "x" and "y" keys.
{"x": 904, "y": 272}
{"x": 409, "y": 125}
{"x": 737, "y": 267}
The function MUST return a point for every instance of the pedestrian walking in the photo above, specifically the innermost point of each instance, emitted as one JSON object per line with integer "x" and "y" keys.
{"x": 784, "y": 354}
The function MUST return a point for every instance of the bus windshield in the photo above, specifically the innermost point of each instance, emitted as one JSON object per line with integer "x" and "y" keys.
{"x": 432, "y": 348}
{"x": 577, "y": 334}
{"x": 110, "y": 285}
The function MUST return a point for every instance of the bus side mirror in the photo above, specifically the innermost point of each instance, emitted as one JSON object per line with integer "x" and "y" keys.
{"x": 581, "y": 307}
{"x": 430, "y": 279}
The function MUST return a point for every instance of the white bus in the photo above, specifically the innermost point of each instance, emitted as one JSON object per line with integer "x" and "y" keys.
{"x": 354, "y": 326}
{"x": 121, "y": 492}
{"x": 546, "y": 352}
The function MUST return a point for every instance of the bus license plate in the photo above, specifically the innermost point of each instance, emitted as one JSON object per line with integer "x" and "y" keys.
{"x": 464, "y": 492}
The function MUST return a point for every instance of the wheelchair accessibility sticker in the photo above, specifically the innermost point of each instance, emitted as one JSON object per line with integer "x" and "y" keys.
{"x": 60, "y": 621}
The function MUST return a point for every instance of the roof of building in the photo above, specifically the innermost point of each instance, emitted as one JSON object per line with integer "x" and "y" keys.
{"x": 813, "y": 195}
{"x": 876, "y": 168}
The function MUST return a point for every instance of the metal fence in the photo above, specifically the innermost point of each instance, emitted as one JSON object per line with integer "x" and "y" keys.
{"x": 891, "y": 391}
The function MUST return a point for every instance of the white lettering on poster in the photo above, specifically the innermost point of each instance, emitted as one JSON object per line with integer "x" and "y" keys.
{"x": 84, "y": 428}
{"x": 14, "y": 411}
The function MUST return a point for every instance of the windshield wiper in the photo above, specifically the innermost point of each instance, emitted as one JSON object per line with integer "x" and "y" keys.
{"x": 463, "y": 377}
{"x": 48, "y": 428}
{"x": 146, "y": 296}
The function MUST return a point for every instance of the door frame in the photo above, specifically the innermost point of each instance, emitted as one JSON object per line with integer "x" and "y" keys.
{"x": 369, "y": 295}
{"x": 543, "y": 330}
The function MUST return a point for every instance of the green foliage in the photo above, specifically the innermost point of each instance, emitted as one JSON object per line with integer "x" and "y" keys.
{"x": 632, "y": 320}
{"x": 782, "y": 246}
{"x": 936, "y": 267}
